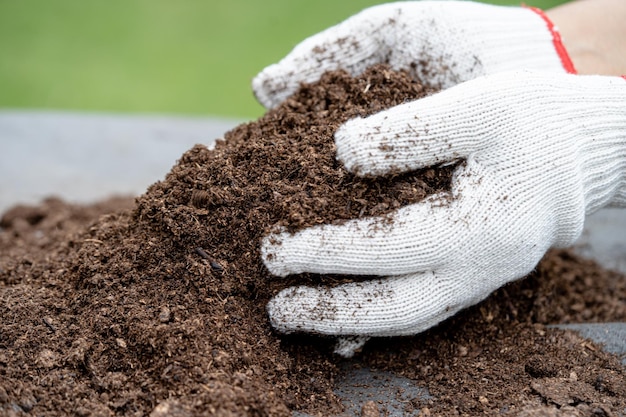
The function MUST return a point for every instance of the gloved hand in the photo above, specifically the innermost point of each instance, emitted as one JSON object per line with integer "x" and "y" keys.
{"x": 541, "y": 151}
{"x": 443, "y": 42}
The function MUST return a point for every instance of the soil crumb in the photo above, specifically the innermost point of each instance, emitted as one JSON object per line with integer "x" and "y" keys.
{"x": 157, "y": 306}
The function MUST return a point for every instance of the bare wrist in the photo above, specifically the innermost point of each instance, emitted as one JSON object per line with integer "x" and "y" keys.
{"x": 594, "y": 34}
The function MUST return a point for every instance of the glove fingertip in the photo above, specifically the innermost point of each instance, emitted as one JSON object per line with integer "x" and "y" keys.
{"x": 347, "y": 346}
{"x": 287, "y": 310}
{"x": 349, "y": 140}
{"x": 269, "y": 87}
{"x": 278, "y": 319}
{"x": 272, "y": 259}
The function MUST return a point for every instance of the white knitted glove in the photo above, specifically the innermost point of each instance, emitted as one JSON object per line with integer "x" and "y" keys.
{"x": 443, "y": 42}
{"x": 540, "y": 151}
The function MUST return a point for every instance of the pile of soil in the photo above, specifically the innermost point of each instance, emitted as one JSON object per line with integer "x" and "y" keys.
{"x": 157, "y": 306}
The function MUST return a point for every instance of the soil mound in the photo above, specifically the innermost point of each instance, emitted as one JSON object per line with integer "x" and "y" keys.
{"x": 159, "y": 309}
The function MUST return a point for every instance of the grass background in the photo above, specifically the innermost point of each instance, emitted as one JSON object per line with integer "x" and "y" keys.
{"x": 165, "y": 56}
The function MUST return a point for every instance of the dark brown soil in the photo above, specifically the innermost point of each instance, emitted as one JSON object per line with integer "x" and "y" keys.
{"x": 159, "y": 309}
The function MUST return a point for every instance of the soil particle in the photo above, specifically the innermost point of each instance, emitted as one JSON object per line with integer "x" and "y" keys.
{"x": 157, "y": 306}
{"x": 370, "y": 409}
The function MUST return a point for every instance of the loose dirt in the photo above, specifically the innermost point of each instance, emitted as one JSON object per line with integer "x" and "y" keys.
{"x": 157, "y": 306}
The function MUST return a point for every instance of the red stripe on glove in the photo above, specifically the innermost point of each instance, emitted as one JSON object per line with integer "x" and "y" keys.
{"x": 556, "y": 40}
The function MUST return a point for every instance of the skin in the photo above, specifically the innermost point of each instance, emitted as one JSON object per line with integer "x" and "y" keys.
{"x": 594, "y": 34}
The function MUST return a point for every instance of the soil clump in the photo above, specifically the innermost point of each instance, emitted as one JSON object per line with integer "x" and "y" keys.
{"x": 157, "y": 306}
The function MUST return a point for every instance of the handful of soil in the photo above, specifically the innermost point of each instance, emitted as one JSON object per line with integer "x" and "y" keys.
{"x": 160, "y": 309}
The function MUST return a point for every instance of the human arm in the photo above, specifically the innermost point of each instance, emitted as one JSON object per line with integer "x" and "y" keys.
{"x": 594, "y": 34}
{"x": 541, "y": 151}
{"x": 540, "y": 154}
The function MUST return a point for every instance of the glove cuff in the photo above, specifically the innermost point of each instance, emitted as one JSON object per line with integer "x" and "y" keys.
{"x": 518, "y": 38}
{"x": 557, "y": 41}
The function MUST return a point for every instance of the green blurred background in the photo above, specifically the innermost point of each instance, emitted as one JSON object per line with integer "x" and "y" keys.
{"x": 154, "y": 56}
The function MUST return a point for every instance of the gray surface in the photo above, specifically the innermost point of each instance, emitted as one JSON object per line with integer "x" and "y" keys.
{"x": 612, "y": 336}
{"x": 85, "y": 157}
{"x": 390, "y": 392}
{"x": 604, "y": 238}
